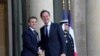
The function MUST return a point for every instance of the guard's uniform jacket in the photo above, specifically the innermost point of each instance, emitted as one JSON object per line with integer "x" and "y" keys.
{"x": 69, "y": 44}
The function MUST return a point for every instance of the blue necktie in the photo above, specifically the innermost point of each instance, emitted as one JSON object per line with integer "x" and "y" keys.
{"x": 36, "y": 35}
{"x": 46, "y": 31}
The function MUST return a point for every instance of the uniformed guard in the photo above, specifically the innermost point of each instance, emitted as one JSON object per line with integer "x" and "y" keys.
{"x": 69, "y": 39}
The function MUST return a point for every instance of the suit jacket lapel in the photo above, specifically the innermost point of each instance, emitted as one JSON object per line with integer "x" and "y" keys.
{"x": 32, "y": 33}
{"x": 43, "y": 30}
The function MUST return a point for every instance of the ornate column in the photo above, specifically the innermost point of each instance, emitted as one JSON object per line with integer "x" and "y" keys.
{"x": 78, "y": 12}
{"x": 93, "y": 27}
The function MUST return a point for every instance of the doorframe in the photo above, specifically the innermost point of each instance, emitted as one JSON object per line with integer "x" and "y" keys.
{"x": 10, "y": 28}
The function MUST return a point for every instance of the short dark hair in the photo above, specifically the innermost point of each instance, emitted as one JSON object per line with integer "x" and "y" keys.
{"x": 43, "y": 12}
{"x": 32, "y": 17}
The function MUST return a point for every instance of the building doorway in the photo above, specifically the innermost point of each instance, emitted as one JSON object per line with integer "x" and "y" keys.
{"x": 3, "y": 28}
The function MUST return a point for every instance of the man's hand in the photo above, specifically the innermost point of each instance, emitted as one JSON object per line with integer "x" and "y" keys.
{"x": 40, "y": 51}
{"x": 63, "y": 54}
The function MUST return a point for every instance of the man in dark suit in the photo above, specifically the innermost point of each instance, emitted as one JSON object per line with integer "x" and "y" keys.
{"x": 52, "y": 38}
{"x": 69, "y": 39}
{"x": 30, "y": 39}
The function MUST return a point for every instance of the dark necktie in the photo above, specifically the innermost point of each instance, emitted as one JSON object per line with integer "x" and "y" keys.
{"x": 46, "y": 31}
{"x": 36, "y": 35}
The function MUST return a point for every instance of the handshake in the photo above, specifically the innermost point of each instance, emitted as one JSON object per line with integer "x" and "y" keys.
{"x": 40, "y": 52}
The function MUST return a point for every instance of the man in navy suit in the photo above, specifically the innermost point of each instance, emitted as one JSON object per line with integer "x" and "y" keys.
{"x": 30, "y": 38}
{"x": 52, "y": 37}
